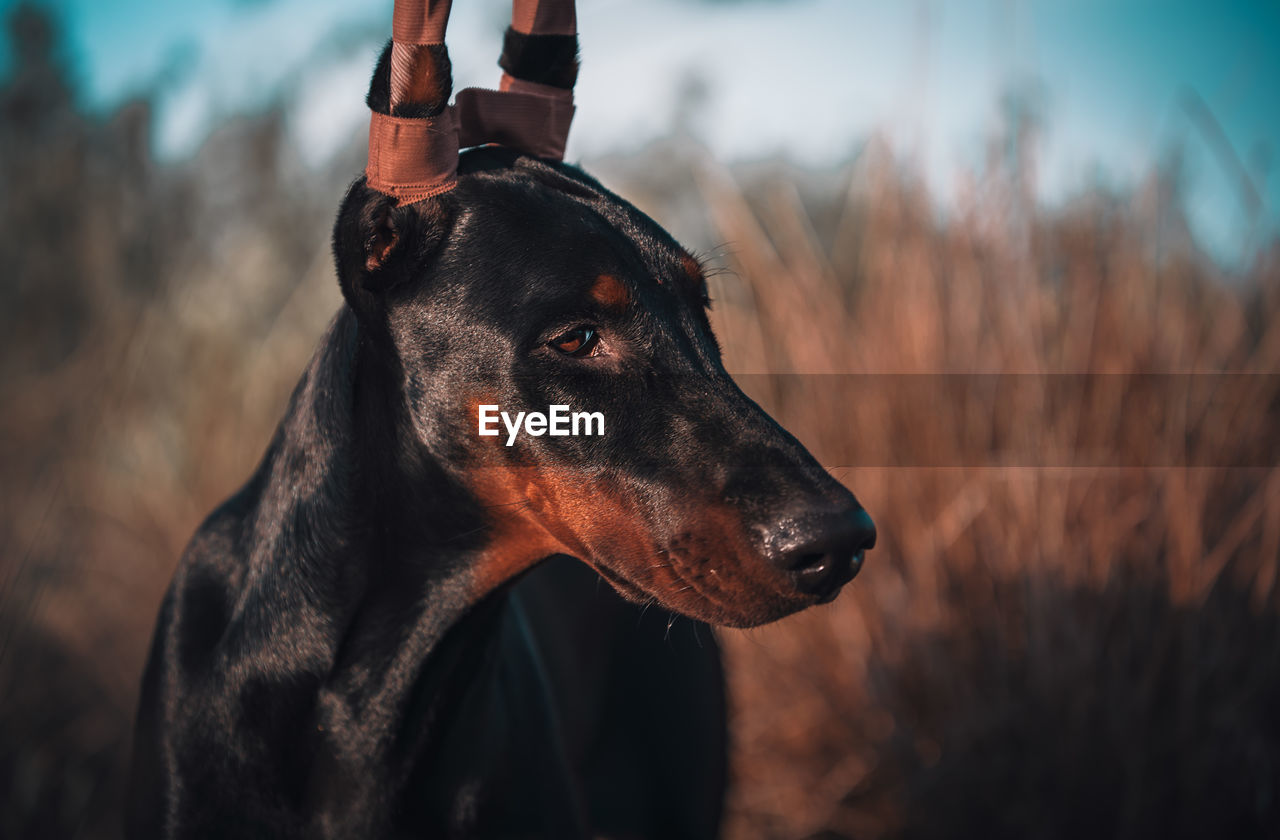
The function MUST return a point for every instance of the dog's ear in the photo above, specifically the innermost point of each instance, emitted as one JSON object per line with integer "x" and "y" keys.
{"x": 379, "y": 244}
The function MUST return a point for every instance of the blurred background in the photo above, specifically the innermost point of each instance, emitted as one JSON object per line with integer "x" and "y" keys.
{"x": 1011, "y": 269}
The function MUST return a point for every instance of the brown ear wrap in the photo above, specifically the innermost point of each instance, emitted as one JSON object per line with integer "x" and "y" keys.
{"x": 412, "y": 158}
{"x": 421, "y": 22}
{"x": 544, "y": 17}
{"x": 523, "y": 115}
{"x": 415, "y": 158}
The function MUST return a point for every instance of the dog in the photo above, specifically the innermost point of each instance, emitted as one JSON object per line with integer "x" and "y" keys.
{"x": 397, "y": 627}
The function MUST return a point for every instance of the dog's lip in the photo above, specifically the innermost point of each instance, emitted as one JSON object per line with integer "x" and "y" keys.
{"x": 721, "y": 601}
{"x": 841, "y": 570}
{"x": 619, "y": 581}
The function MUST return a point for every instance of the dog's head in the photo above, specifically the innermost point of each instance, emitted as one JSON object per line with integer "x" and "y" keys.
{"x": 530, "y": 286}
{"x": 523, "y": 285}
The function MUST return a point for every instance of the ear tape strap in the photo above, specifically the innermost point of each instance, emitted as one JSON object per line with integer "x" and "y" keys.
{"x": 414, "y": 158}
{"x": 544, "y": 17}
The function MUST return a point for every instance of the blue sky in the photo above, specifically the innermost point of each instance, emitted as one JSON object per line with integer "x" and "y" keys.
{"x": 805, "y": 78}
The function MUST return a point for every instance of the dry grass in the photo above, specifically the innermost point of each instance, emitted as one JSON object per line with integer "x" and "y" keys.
{"x": 1069, "y": 627}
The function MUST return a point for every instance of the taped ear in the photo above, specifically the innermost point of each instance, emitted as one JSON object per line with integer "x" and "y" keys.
{"x": 415, "y": 135}
{"x": 379, "y": 243}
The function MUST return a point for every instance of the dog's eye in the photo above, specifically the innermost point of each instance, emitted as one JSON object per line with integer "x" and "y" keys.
{"x": 577, "y": 342}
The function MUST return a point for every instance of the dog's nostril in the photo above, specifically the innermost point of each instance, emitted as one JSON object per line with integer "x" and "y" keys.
{"x": 824, "y": 574}
{"x": 805, "y": 561}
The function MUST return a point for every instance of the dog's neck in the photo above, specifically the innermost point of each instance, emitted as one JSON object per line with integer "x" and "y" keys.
{"x": 365, "y": 554}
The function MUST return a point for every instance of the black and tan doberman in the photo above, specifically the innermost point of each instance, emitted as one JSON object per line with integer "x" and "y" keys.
{"x": 397, "y": 627}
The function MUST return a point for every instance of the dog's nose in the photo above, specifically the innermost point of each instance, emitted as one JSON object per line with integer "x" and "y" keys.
{"x": 822, "y": 552}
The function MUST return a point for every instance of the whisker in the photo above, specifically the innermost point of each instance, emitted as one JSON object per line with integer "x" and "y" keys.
{"x": 483, "y": 527}
{"x": 524, "y": 501}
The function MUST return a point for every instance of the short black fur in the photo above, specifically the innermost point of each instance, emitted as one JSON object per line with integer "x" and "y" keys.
{"x": 545, "y": 59}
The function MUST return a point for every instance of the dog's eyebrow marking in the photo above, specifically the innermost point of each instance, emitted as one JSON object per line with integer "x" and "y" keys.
{"x": 692, "y": 268}
{"x": 610, "y": 292}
